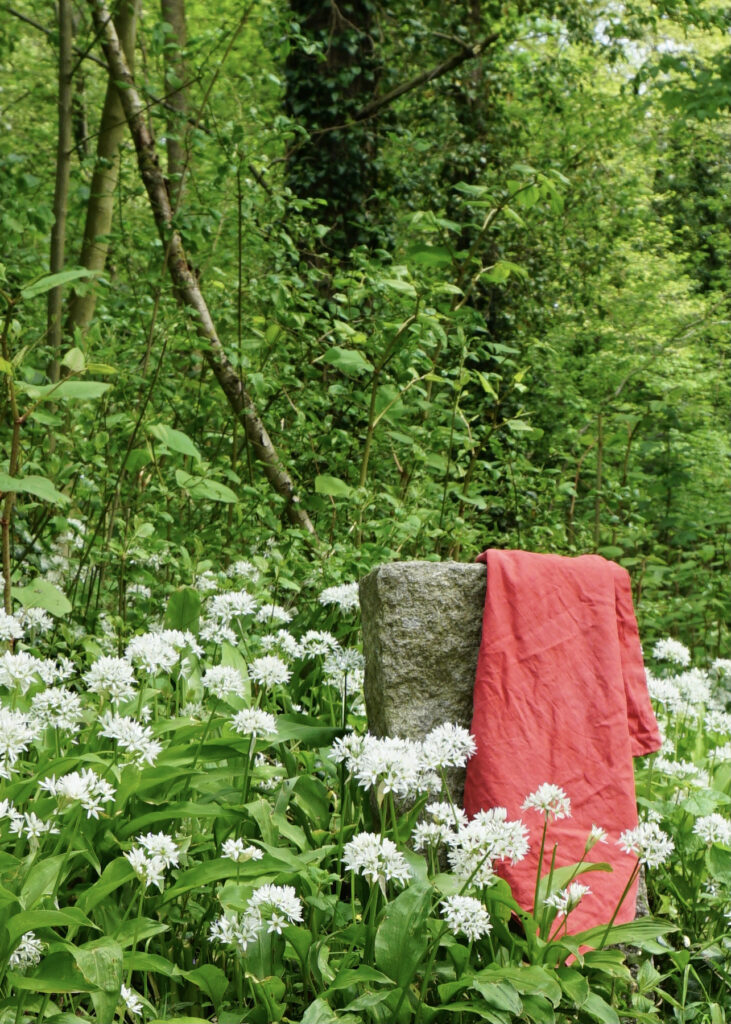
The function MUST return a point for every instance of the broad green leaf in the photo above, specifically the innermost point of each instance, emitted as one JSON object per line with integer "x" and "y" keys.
{"x": 217, "y": 870}
{"x": 358, "y": 976}
{"x": 401, "y": 939}
{"x": 29, "y": 920}
{"x": 643, "y": 932}
{"x": 183, "y": 610}
{"x": 75, "y": 360}
{"x": 396, "y": 284}
{"x": 348, "y": 360}
{"x": 320, "y": 1012}
{"x": 75, "y": 390}
{"x": 5, "y": 366}
{"x": 500, "y": 995}
{"x": 45, "y": 284}
{"x": 209, "y": 979}
{"x": 332, "y": 486}
{"x": 574, "y": 984}
{"x": 200, "y": 487}
{"x": 562, "y": 876}
{"x": 600, "y": 1010}
{"x": 429, "y": 255}
{"x": 39, "y": 486}
{"x": 101, "y": 963}
{"x": 116, "y": 873}
{"x": 526, "y": 979}
{"x": 39, "y": 593}
{"x": 42, "y": 880}
{"x": 56, "y": 973}
{"x": 176, "y": 440}
{"x": 538, "y": 1009}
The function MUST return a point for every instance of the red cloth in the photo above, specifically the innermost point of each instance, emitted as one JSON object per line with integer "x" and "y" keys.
{"x": 561, "y": 697}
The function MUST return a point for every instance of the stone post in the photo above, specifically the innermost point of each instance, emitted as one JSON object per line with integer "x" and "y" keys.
{"x": 422, "y": 623}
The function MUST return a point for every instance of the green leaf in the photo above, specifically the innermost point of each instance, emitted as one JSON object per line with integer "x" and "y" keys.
{"x": 429, "y": 255}
{"x": 101, "y": 964}
{"x": 175, "y": 440}
{"x": 320, "y": 1012}
{"x": 526, "y": 979}
{"x": 500, "y": 995}
{"x": 332, "y": 485}
{"x": 401, "y": 939}
{"x": 39, "y": 593}
{"x": 183, "y": 610}
{"x": 358, "y": 976}
{"x": 29, "y": 920}
{"x": 199, "y": 487}
{"x": 75, "y": 360}
{"x": 39, "y": 486}
{"x": 41, "y": 880}
{"x": 574, "y": 984}
{"x": 56, "y": 973}
{"x": 643, "y": 932}
{"x": 5, "y": 366}
{"x": 76, "y": 390}
{"x": 562, "y": 876}
{"x": 600, "y": 1010}
{"x": 348, "y": 360}
{"x": 45, "y": 284}
{"x": 116, "y": 873}
{"x": 396, "y": 284}
{"x": 209, "y": 979}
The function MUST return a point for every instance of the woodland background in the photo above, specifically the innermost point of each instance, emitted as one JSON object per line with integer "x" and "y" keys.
{"x": 444, "y": 277}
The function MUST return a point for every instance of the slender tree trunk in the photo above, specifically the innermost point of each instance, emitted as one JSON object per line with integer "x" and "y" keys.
{"x": 100, "y": 208}
{"x": 61, "y": 191}
{"x": 184, "y": 280}
{"x": 176, "y": 95}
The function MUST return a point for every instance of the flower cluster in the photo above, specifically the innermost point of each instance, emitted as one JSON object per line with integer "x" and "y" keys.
{"x": 549, "y": 800}
{"x": 275, "y": 906}
{"x": 132, "y": 736}
{"x": 27, "y": 953}
{"x": 671, "y": 650}
{"x": 648, "y": 842}
{"x": 489, "y": 837}
{"x": 566, "y": 900}
{"x": 236, "y": 851}
{"x": 378, "y": 859}
{"x": 466, "y": 915}
{"x": 156, "y": 852}
{"x": 254, "y": 722}
{"x": 85, "y": 787}
{"x": 112, "y": 678}
{"x": 345, "y": 596}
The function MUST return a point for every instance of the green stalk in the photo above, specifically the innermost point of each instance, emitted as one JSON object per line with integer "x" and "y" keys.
{"x": 628, "y": 886}
{"x": 540, "y": 865}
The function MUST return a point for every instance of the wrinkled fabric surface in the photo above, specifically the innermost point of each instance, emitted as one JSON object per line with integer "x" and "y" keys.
{"x": 561, "y": 697}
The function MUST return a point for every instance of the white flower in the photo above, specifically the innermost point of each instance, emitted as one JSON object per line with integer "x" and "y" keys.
{"x": 138, "y": 590}
{"x": 10, "y": 627}
{"x": 718, "y": 721}
{"x": 722, "y": 667}
{"x": 111, "y": 677}
{"x": 269, "y": 671}
{"x": 235, "y": 850}
{"x": 36, "y": 620}
{"x": 180, "y": 640}
{"x": 224, "y": 681}
{"x": 684, "y": 770}
{"x": 317, "y": 641}
{"x": 345, "y": 596}
{"x": 671, "y": 650}
{"x": 237, "y": 930}
{"x": 440, "y": 825}
{"x": 206, "y": 581}
{"x": 17, "y": 732}
{"x": 86, "y": 787}
{"x": 135, "y": 738}
{"x": 721, "y": 755}
{"x": 713, "y": 828}
{"x": 281, "y": 898}
{"x": 597, "y": 834}
{"x": 273, "y": 613}
{"x": 466, "y": 915}
{"x": 235, "y": 603}
{"x": 193, "y": 709}
{"x": 447, "y": 746}
{"x": 651, "y": 845}
{"x": 255, "y": 722}
{"x": 27, "y": 953}
{"x": 377, "y": 859}
{"x": 30, "y": 825}
{"x": 158, "y": 844}
{"x": 389, "y": 764}
{"x": 20, "y": 670}
{"x": 482, "y": 841}
{"x": 217, "y": 632}
{"x": 58, "y": 708}
{"x": 566, "y": 900}
{"x": 152, "y": 653}
{"x": 549, "y": 799}
{"x": 132, "y": 1002}
{"x": 243, "y": 569}
{"x": 149, "y": 870}
{"x": 283, "y": 640}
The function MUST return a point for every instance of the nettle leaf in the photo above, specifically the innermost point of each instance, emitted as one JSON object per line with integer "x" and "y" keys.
{"x": 66, "y": 390}
{"x": 39, "y": 593}
{"x": 332, "y": 486}
{"x": 199, "y": 487}
{"x": 50, "y": 281}
{"x": 349, "y": 360}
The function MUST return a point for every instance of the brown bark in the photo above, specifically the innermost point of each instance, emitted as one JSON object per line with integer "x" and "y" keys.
{"x": 100, "y": 208}
{"x": 61, "y": 190}
{"x": 184, "y": 280}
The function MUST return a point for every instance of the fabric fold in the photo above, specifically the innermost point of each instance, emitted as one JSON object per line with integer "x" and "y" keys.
{"x": 560, "y": 697}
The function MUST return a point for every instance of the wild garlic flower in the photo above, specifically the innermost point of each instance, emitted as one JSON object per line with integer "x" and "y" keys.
{"x": 243, "y": 569}
{"x": 275, "y": 906}
{"x": 84, "y": 787}
{"x": 489, "y": 837}
{"x": 152, "y": 653}
{"x": 447, "y": 746}
{"x": 237, "y": 930}
{"x": 722, "y": 668}
{"x": 236, "y": 851}
{"x": 671, "y": 650}
{"x": 467, "y": 916}
{"x": 57, "y": 708}
{"x": 217, "y": 632}
{"x": 149, "y": 870}
{"x": 20, "y": 671}
{"x": 566, "y": 900}
{"x": 318, "y": 641}
{"x": 439, "y": 825}
{"x": 224, "y": 681}
{"x": 718, "y": 721}
{"x": 377, "y": 859}
{"x": 713, "y": 828}
{"x": 597, "y": 834}
{"x": 31, "y": 826}
{"x": 131, "y": 1001}
{"x": 34, "y": 620}
{"x": 281, "y": 640}
{"x": 389, "y": 764}
{"x": 254, "y": 722}
{"x": 273, "y": 613}
{"x": 721, "y": 755}
{"x": 648, "y": 842}
{"x": 206, "y": 581}
{"x": 682, "y": 770}
{"x": 269, "y": 671}
{"x": 113, "y": 678}
{"x": 223, "y": 608}
{"x": 27, "y": 953}
{"x": 17, "y": 732}
{"x": 10, "y": 627}
{"x": 550, "y": 800}
{"x": 158, "y": 844}
{"x": 345, "y": 596}
{"x": 136, "y": 739}
{"x": 181, "y": 640}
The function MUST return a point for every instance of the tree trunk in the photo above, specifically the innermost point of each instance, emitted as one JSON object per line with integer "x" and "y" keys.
{"x": 100, "y": 208}
{"x": 176, "y": 95}
{"x": 184, "y": 279}
{"x": 61, "y": 191}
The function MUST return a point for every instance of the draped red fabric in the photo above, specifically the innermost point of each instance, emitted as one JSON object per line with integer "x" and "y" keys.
{"x": 561, "y": 697}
